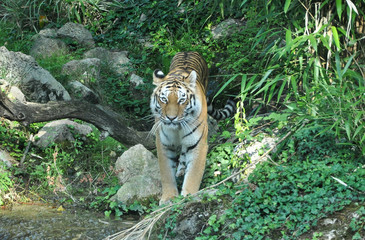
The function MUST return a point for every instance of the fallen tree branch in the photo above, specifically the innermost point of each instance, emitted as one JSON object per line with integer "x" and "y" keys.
{"x": 107, "y": 121}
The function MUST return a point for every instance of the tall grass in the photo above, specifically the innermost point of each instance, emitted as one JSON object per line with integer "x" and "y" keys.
{"x": 315, "y": 66}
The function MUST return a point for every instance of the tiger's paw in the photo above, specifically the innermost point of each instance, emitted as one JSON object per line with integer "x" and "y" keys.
{"x": 167, "y": 199}
{"x": 180, "y": 171}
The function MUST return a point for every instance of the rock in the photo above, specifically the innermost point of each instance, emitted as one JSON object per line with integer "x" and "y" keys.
{"x": 142, "y": 18}
{"x": 60, "y": 131}
{"x": 78, "y": 33}
{"x": 252, "y": 150}
{"x": 85, "y": 70}
{"x": 80, "y": 91}
{"x": 139, "y": 175}
{"x": 7, "y": 159}
{"x": 16, "y": 94}
{"x": 47, "y": 47}
{"x": 226, "y": 28}
{"x": 117, "y": 61}
{"x": 13, "y": 92}
{"x": 48, "y": 33}
{"x": 337, "y": 225}
{"x": 36, "y": 83}
{"x": 145, "y": 42}
{"x": 136, "y": 80}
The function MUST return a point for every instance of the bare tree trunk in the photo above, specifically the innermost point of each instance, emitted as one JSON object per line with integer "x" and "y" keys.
{"x": 107, "y": 121}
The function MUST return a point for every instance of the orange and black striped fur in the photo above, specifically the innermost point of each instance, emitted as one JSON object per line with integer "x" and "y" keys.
{"x": 179, "y": 106}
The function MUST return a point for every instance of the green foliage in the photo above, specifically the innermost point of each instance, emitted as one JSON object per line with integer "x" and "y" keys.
{"x": 12, "y": 40}
{"x": 121, "y": 96}
{"x": 111, "y": 206}
{"x": 219, "y": 164}
{"x": 357, "y": 224}
{"x": 13, "y": 139}
{"x": 5, "y": 183}
{"x": 309, "y": 66}
{"x": 285, "y": 200}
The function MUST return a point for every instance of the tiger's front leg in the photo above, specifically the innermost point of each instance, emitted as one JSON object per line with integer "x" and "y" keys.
{"x": 195, "y": 159}
{"x": 167, "y": 161}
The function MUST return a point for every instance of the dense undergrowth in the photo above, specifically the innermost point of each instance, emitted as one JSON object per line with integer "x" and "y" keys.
{"x": 302, "y": 60}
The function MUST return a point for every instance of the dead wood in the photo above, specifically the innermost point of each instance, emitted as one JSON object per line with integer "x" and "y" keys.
{"x": 108, "y": 122}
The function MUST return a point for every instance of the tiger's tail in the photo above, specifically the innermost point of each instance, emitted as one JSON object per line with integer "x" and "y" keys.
{"x": 223, "y": 113}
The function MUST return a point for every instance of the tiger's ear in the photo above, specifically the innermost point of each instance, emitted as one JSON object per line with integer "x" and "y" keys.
{"x": 158, "y": 76}
{"x": 192, "y": 79}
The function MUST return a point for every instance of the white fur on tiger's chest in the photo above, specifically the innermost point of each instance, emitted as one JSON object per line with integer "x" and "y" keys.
{"x": 178, "y": 136}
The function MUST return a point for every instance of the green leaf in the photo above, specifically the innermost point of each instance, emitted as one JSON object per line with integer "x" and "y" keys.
{"x": 313, "y": 42}
{"x": 258, "y": 85}
{"x": 348, "y": 129}
{"x": 358, "y": 130}
{"x": 317, "y": 66}
{"x": 325, "y": 42}
{"x": 347, "y": 65}
{"x": 339, "y": 8}
{"x": 281, "y": 91}
{"x": 286, "y": 5}
{"x": 338, "y": 65}
{"x": 288, "y": 38}
{"x": 294, "y": 84}
{"x": 225, "y": 85}
{"x": 336, "y": 38}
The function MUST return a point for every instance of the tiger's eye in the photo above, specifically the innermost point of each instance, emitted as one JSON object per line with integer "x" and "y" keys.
{"x": 182, "y": 100}
{"x": 163, "y": 99}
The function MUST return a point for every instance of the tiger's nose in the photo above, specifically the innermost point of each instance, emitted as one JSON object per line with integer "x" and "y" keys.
{"x": 171, "y": 118}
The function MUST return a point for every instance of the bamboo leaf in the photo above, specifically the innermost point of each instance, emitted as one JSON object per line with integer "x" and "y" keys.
{"x": 225, "y": 85}
{"x": 338, "y": 65}
{"x": 294, "y": 84}
{"x": 281, "y": 91}
{"x": 336, "y": 38}
{"x": 358, "y": 130}
{"x": 269, "y": 84}
{"x": 258, "y": 85}
{"x": 347, "y": 65}
{"x": 339, "y": 8}
{"x": 243, "y": 82}
{"x": 325, "y": 42}
{"x": 348, "y": 129}
{"x": 271, "y": 93}
{"x": 313, "y": 42}
{"x": 286, "y": 5}
{"x": 317, "y": 66}
{"x": 288, "y": 38}
{"x": 358, "y": 116}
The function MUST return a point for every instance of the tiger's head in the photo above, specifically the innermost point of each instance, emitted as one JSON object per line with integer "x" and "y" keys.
{"x": 174, "y": 100}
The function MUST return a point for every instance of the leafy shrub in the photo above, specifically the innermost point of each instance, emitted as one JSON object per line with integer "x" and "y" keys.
{"x": 5, "y": 183}
{"x": 285, "y": 200}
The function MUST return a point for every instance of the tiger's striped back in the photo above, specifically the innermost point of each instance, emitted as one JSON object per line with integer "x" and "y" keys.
{"x": 187, "y": 62}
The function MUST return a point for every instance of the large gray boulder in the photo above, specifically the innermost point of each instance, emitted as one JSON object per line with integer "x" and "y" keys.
{"x": 139, "y": 175}
{"x": 36, "y": 83}
{"x": 7, "y": 159}
{"x": 12, "y": 92}
{"x": 136, "y": 80}
{"x": 227, "y": 28}
{"x": 80, "y": 91}
{"x": 60, "y": 131}
{"x": 117, "y": 61}
{"x": 85, "y": 70}
{"x": 78, "y": 33}
{"x": 48, "y": 47}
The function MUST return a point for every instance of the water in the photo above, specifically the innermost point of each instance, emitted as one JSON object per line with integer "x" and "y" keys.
{"x": 39, "y": 221}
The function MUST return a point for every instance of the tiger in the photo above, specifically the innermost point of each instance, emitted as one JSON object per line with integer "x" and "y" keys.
{"x": 179, "y": 105}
